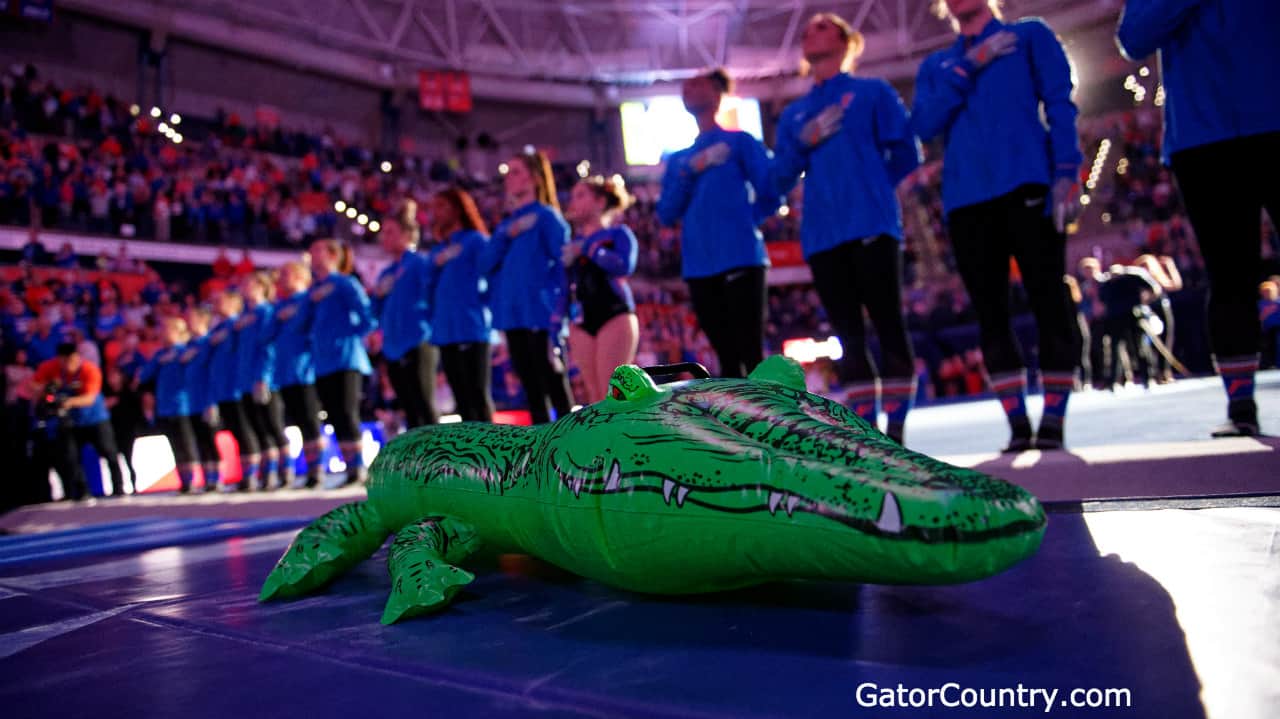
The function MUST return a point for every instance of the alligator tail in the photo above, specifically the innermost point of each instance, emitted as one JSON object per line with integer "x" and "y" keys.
{"x": 326, "y": 549}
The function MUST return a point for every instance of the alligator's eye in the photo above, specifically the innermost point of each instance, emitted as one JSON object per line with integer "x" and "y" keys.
{"x": 782, "y": 370}
{"x": 630, "y": 383}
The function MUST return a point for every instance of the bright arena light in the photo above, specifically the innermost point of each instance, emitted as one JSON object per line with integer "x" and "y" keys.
{"x": 503, "y": 168}
{"x": 175, "y": 119}
{"x": 135, "y": 110}
{"x": 164, "y": 129}
{"x": 339, "y": 206}
{"x": 177, "y": 138}
{"x": 386, "y": 166}
{"x": 363, "y": 219}
{"x": 808, "y": 349}
{"x": 784, "y": 211}
{"x": 351, "y": 212}
{"x": 374, "y": 226}
{"x": 155, "y": 112}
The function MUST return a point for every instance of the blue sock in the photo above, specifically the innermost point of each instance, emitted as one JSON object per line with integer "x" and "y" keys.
{"x": 184, "y": 477}
{"x": 899, "y": 394}
{"x": 356, "y": 458}
{"x": 1011, "y": 390}
{"x": 1057, "y": 391}
{"x": 249, "y": 469}
{"x": 1237, "y": 376}
{"x": 272, "y": 466}
{"x": 211, "y": 475}
{"x": 862, "y": 400}
{"x": 314, "y": 466}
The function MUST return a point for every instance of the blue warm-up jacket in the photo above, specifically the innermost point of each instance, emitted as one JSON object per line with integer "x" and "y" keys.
{"x": 990, "y": 119}
{"x": 1216, "y": 60}
{"x": 721, "y": 206}
{"x": 850, "y": 177}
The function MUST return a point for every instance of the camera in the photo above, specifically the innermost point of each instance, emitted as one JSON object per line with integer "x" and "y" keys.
{"x": 49, "y": 407}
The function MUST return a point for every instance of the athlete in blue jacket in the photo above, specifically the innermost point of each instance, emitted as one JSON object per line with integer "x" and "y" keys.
{"x": 295, "y": 373}
{"x": 527, "y": 283}
{"x": 255, "y": 370}
{"x": 401, "y": 302}
{"x": 204, "y": 409}
{"x": 173, "y": 398}
{"x": 1219, "y": 120}
{"x": 341, "y": 318}
{"x": 720, "y": 188}
{"x": 224, "y": 386}
{"x": 1009, "y": 189}
{"x": 851, "y": 138}
{"x": 602, "y": 256}
{"x": 460, "y": 320}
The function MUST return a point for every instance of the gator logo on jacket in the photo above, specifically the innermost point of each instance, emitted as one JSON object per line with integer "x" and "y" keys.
{"x": 522, "y": 224}
{"x": 321, "y": 292}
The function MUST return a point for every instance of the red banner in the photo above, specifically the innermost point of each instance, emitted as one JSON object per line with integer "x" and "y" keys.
{"x": 785, "y": 253}
{"x": 444, "y": 91}
{"x": 430, "y": 91}
{"x": 457, "y": 92}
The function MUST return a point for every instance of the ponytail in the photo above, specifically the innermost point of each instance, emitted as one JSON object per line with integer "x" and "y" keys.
{"x": 341, "y": 250}
{"x": 405, "y": 214}
{"x": 346, "y": 258}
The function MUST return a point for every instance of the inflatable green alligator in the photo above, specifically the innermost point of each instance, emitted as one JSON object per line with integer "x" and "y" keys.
{"x": 693, "y": 486}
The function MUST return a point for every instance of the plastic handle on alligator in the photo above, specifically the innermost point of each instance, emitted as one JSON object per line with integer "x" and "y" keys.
{"x": 672, "y": 370}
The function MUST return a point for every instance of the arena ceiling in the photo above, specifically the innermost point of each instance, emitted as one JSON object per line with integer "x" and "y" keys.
{"x": 570, "y": 51}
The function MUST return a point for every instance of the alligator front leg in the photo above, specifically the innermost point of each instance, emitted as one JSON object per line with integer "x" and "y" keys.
{"x": 325, "y": 550}
{"x": 421, "y": 564}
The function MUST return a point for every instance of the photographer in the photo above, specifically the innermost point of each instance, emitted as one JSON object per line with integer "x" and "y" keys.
{"x": 70, "y": 412}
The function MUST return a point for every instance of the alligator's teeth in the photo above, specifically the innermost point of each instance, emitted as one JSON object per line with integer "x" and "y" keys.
{"x": 667, "y": 487}
{"x": 792, "y": 501}
{"x": 577, "y": 487}
{"x": 890, "y": 515}
{"x": 681, "y": 493}
{"x": 615, "y": 477}
{"x": 775, "y": 498}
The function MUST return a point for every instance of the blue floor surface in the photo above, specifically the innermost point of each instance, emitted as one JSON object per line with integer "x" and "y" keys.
{"x": 1178, "y": 608}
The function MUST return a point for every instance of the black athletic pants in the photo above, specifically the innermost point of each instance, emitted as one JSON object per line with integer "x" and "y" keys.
{"x": 868, "y": 274}
{"x": 237, "y": 423}
{"x": 182, "y": 438}
{"x": 59, "y": 452}
{"x": 413, "y": 377}
{"x": 984, "y": 237}
{"x": 126, "y": 436}
{"x": 1163, "y": 309}
{"x": 731, "y": 309}
{"x": 267, "y": 421}
{"x": 302, "y": 409}
{"x": 540, "y": 367}
{"x": 467, "y": 367}
{"x": 1124, "y": 331}
{"x": 103, "y": 440}
{"x": 206, "y": 445}
{"x": 340, "y": 394}
{"x": 1224, "y": 202}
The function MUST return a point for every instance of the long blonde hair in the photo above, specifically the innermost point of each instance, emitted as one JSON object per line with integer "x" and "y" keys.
{"x": 944, "y": 13}
{"x": 544, "y": 182}
{"x": 855, "y": 43}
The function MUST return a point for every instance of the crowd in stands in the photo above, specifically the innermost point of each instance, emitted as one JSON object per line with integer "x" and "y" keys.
{"x": 74, "y": 159}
